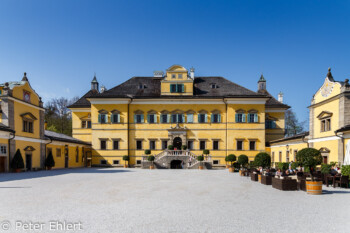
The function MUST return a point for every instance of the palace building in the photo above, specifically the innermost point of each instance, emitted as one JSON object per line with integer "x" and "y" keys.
{"x": 22, "y": 127}
{"x": 177, "y": 108}
{"x": 329, "y": 125}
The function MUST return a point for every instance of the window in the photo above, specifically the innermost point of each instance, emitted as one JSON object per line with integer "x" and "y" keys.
{"x": 216, "y": 162}
{"x": 215, "y": 145}
{"x": 115, "y": 144}
{"x": 138, "y": 118}
{"x": 89, "y": 124}
{"x": 173, "y": 76}
{"x": 190, "y": 145}
{"x": 190, "y": 118}
{"x": 115, "y": 118}
{"x": 252, "y": 145}
{"x": 103, "y": 162}
{"x": 3, "y": 150}
{"x": 164, "y": 144}
{"x": 27, "y": 126}
{"x": 177, "y": 118}
{"x": 252, "y": 118}
{"x": 139, "y": 145}
{"x": 295, "y": 155}
{"x": 102, "y": 118}
{"x": 325, "y": 159}
{"x": 280, "y": 156}
{"x": 214, "y": 86}
{"x": 103, "y": 144}
{"x": 287, "y": 156}
{"x": 239, "y": 144}
{"x": 202, "y": 145}
{"x": 58, "y": 152}
{"x": 215, "y": 118}
{"x": 77, "y": 154}
{"x": 164, "y": 118}
{"x": 240, "y": 117}
{"x": 325, "y": 125}
{"x": 177, "y": 88}
{"x": 138, "y": 162}
{"x": 152, "y": 145}
{"x": 86, "y": 124}
{"x": 115, "y": 162}
{"x": 26, "y": 96}
{"x": 152, "y": 118}
{"x": 270, "y": 124}
{"x": 202, "y": 118}
{"x": 180, "y": 76}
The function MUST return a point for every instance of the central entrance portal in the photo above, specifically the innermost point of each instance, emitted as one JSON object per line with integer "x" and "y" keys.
{"x": 177, "y": 143}
{"x": 176, "y": 164}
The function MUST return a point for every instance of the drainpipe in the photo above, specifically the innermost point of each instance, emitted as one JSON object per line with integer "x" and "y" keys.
{"x": 307, "y": 142}
{"x": 9, "y": 148}
{"x": 226, "y": 126}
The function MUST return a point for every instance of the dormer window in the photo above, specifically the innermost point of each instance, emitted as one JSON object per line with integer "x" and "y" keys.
{"x": 177, "y": 88}
{"x": 173, "y": 76}
{"x": 180, "y": 76}
{"x": 214, "y": 86}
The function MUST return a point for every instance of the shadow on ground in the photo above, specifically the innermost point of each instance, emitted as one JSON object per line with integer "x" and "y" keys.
{"x": 39, "y": 174}
{"x": 339, "y": 191}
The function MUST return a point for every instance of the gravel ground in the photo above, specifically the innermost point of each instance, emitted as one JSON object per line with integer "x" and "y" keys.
{"x": 135, "y": 200}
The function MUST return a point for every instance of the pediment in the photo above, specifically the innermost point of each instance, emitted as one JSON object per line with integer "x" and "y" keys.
{"x": 29, "y": 148}
{"x": 28, "y": 116}
{"x": 324, "y": 114}
{"x": 324, "y": 150}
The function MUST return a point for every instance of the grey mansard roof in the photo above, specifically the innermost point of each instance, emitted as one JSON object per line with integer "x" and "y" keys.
{"x": 151, "y": 90}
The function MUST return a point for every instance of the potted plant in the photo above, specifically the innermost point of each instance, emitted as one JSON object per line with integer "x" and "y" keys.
{"x": 49, "y": 161}
{"x": 17, "y": 162}
{"x": 170, "y": 147}
{"x": 126, "y": 159}
{"x": 227, "y": 165}
{"x": 151, "y": 159}
{"x": 243, "y": 162}
{"x": 200, "y": 158}
{"x": 310, "y": 158}
{"x": 263, "y": 160}
{"x": 206, "y": 153}
{"x": 184, "y": 147}
{"x": 231, "y": 158}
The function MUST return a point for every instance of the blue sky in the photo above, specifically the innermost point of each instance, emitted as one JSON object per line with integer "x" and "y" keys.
{"x": 60, "y": 44}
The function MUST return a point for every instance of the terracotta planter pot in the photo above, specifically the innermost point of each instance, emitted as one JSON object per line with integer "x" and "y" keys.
{"x": 314, "y": 187}
{"x": 241, "y": 173}
{"x": 259, "y": 178}
{"x": 151, "y": 167}
{"x": 125, "y": 166}
{"x": 227, "y": 166}
{"x": 201, "y": 167}
{"x": 231, "y": 169}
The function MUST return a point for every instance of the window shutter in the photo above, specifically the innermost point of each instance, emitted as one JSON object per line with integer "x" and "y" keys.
{"x": 266, "y": 124}
{"x": 205, "y": 118}
{"x": 219, "y": 118}
{"x": 212, "y": 118}
{"x": 148, "y": 118}
{"x": 118, "y": 116}
{"x": 183, "y": 118}
{"x": 135, "y": 118}
{"x": 168, "y": 119}
{"x": 256, "y": 118}
{"x": 236, "y": 117}
{"x": 182, "y": 88}
{"x": 172, "y": 88}
{"x": 243, "y": 117}
{"x": 142, "y": 118}
{"x": 155, "y": 118}
{"x": 273, "y": 124}
{"x": 161, "y": 118}
{"x": 99, "y": 118}
{"x": 189, "y": 118}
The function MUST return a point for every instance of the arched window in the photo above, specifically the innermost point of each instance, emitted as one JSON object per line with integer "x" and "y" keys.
{"x": 164, "y": 117}
{"x": 190, "y": 116}
{"x": 103, "y": 116}
{"x": 240, "y": 116}
{"x": 177, "y": 116}
{"x": 215, "y": 116}
{"x": 270, "y": 122}
{"x": 115, "y": 117}
{"x": 152, "y": 117}
{"x": 202, "y": 116}
{"x": 253, "y": 116}
{"x": 138, "y": 117}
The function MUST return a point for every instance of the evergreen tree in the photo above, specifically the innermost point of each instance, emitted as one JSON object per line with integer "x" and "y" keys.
{"x": 49, "y": 161}
{"x": 17, "y": 161}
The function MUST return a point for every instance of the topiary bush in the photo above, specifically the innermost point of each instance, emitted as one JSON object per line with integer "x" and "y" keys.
{"x": 309, "y": 158}
{"x": 326, "y": 168}
{"x": 17, "y": 161}
{"x": 345, "y": 170}
{"x": 200, "y": 158}
{"x": 126, "y": 158}
{"x": 243, "y": 160}
{"x": 231, "y": 158}
{"x": 170, "y": 147}
{"x": 151, "y": 158}
{"x": 147, "y": 152}
{"x": 49, "y": 161}
{"x": 206, "y": 152}
{"x": 294, "y": 165}
{"x": 282, "y": 166}
{"x": 263, "y": 160}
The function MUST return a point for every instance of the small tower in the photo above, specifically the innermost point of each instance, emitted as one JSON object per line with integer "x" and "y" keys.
{"x": 262, "y": 83}
{"x": 94, "y": 83}
{"x": 192, "y": 73}
{"x": 280, "y": 97}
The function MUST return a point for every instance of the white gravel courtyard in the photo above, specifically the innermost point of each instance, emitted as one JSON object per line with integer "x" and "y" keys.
{"x": 135, "y": 200}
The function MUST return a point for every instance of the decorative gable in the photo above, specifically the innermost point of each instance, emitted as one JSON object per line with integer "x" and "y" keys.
{"x": 324, "y": 114}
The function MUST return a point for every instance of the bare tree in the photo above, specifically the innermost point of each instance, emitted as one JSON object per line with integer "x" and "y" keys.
{"x": 292, "y": 124}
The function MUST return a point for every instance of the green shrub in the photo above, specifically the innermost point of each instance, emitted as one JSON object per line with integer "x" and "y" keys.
{"x": 282, "y": 166}
{"x": 263, "y": 160}
{"x": 309, "y": 158}
{"x": 184, "y": 147}
{"x": 17, "y": 161}
{"x": 49, "y": 161}
{"x": 243, "y": 160}
{"x": 170, "y": 147}
{"x": 231, "y": 158}
{"x": 326, "y": 168}
{"x": 126, "y": 158}
{"x": 150, "y": 158}
{"x": 333, "y": 164}
{"x": 147, "y": 152}
{"x": 294, "y": 165}
{"x": 345, "y": 170}
{"x": 206, "y": 152}
{"x": 200, "y": 158}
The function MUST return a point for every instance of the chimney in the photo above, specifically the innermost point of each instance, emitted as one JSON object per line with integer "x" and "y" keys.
{"x": 158, "y": 74}
{"x": 94, "y": 83}
{"x": 103, "y": 89}
{"x": 192, "y": 73}
{"x": 262, "y": 83}
{"x": 280, "y": 97}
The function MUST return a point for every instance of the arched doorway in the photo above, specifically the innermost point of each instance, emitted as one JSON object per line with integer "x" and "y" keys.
{"x": 176, "y": 164}
{"x": 177, "y": 143}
